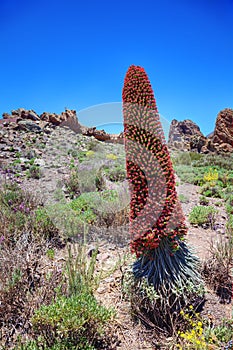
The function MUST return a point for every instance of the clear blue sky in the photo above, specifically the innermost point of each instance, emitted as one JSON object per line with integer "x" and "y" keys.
{"x": 67, "y": 53}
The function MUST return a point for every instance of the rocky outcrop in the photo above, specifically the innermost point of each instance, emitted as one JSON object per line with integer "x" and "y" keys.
{"x": 223, "y": 133}
{"x": 28, "y": 120}
{"x": 187, "y": 136}
{"x": 68, "y": 118}
{"x": 21, "y": 114}
{"x": 100, "y": 135}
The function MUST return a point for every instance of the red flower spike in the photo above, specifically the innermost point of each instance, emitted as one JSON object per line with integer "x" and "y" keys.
{"x": 155, "y": 212}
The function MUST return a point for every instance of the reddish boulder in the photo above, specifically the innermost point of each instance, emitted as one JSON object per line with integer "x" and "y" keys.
{"x": 223, "y": 132}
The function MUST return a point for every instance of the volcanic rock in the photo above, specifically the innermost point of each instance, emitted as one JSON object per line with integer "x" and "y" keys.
{"x": 100, "y": 135}
{"x": 185, "y": 135}
{"x": 223, "y": 132}
{"x": 23, "y": 114}
{"x": 29, "y": 125}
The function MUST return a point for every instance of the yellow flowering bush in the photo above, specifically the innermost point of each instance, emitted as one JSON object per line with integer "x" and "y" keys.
{"x": 211, "y": 176}
{"x": 194, "y": 338}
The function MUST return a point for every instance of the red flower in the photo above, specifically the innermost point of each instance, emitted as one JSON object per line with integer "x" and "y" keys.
{"x": 155, "y": 211}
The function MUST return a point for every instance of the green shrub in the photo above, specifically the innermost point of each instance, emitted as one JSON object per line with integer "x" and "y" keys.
{"x": 73, "y": 318}
{"x": 218, "y": 204}
{"x": 114, "y": 172}
{"x": 76, "y": 318}
{"x": 229, "y": 225}
{"x": 211, "y": 191}
{"x": 81, "y": 269}
{"x": 221, "y": 161}
{"x": 82, "y": 155}
{"x": 200, "y": 215}
{"x": 72, "y": 184}
{"x": 182, "y": 158}
{"x": 83, "y": 207}
{"x": 34, "y": 172}
{"x": 185, "y": 173}
{"x": 203, "y": 200}
{"x": 43, "y": 224}
{"x": 229, "y": 204}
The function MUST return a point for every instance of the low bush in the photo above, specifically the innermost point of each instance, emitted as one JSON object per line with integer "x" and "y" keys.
{"x": 229, "y": 225}
{"x": 77, "y": 318}
{"x": 203, "y": 200}
{"x": 72, "y": 184}
{"x": 114, "y": 172}
{"x": 229, "y": 204}
{"x": 34, "y": 172}
{"x": 200, "y": 215}
{"x": 211, "y": 191}
{"x": 217, "y": 269}
{"x": 201, "y": 335}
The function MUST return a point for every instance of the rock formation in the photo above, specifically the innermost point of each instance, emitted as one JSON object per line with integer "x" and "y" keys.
{"x": 29, "y": 120}
{"x": 223, "y": 133}
{"x": 186, "y": 135}
{"x": 100, "y": 135}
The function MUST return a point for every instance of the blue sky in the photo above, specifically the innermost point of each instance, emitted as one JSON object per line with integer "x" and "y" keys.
{"x": 67, "y": 53}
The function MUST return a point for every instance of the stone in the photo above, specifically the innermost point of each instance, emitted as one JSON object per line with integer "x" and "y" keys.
{"x": 29, "y": 125}
{"x": 39, "y": 162}
{"x": 223, "y": 133}
{"x": 100, "y": 135}
{"x": 185, "y": 135}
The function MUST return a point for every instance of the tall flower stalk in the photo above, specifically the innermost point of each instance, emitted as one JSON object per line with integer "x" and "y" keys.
{"x": 157, "y": 225}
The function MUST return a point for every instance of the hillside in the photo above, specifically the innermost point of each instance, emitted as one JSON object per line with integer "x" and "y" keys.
{"x": 61, "y": 183}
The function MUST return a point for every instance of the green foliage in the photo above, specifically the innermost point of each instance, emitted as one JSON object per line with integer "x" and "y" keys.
{"x": 186, "y": 173}
{"x": 34, "y": 172}
{"x": 114, "y": 172}
{"x": 75, "y": 317}
{"x": 229, "y": 225}
{"x": 81, "y": 273}
{"x": 203, "y": 200}
{"x": 211, "y": 191}
{"x": 97, "y": 207}
{"x": 200, "y": 335}
{"x": 185, "y": 158}
{"x": 82, "y": 155}
{"x": 43, "y": 224}
{"x": 16, "y": 208}
{"x": 111, "y": 156}
{"x": 73, "y": 153}
{"x": 50, "y": 254}
{"x": 200, "y": 215}
{"x": 229, "y": 204}
{"x": 90, "y": 154}
{"x": 75, "y": 320}
{"x": 83, "y": 207}
{"x": 72, "y": 184}
{"x": 15, "y": 278}
{"x": 218, "y": 204}
{"x": 221, "y": 161}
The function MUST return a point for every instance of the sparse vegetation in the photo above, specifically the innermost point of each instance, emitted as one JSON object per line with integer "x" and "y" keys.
{"x": 59, "y": 288}
{"x": 202, "y": 215}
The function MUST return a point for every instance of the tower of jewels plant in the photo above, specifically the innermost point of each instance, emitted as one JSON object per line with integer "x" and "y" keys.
{"x": 157, "y": 225}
